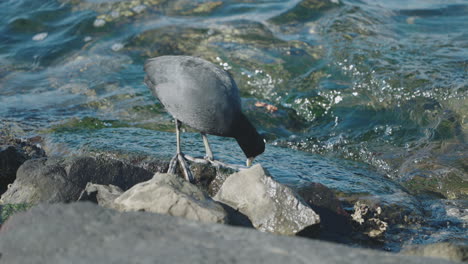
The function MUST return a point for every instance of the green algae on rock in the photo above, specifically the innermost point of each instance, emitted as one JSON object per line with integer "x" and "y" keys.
{"x": 7, "y": 210}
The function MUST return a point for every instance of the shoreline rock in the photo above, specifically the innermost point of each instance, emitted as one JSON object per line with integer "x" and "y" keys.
{"x": 171, "y": 195}
{"x": 271, "y": 206}
{"x": 86, "y": 233}
{"x": 103, "y": 177}
{"x": 448, "y": 251}
{"x": 56, "y": 179}
{"x": 13, "y": 153}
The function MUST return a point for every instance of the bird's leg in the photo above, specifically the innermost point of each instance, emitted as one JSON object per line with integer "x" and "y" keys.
{"x": 209, "y": 158}
{"x": 173, "y": 164}
{"x": 179, "y": 158}
{"x": 209, "y": 153}
{"x": 177, "y": 125}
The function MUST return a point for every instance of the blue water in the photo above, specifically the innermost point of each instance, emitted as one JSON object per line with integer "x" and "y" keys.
{"x": 371, "y": 95}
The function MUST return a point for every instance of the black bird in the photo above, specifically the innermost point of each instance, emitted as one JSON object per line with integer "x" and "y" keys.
{"x": 201, "y": 95}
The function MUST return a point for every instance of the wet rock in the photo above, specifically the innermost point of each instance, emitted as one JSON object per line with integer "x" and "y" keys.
{"x": 13, "y": 153}
{"x": 448, "y": 251}
{"x": 7, "y": 210}
{"x": 104, "y": 195}
{"x": 10, "y": 160}
{"x": 438, "y": 169}
{"x": 334, "y": 220}
{"x": 116, "y": 10}
{"x": 172, "y": 195}
{"x": 30, "y": 147}
{"x": 207, "y": 177}
{"x": 171, "y": 40}
{"x": 438, "y": 180}
{"x": 63, "y": 179}
{"x": 395, "y": 209}
{"x": 368, "y": 220}
{"x": 192, "y": 8}
{"x": 85, "y": 233}
{"x": 270, "y": 206}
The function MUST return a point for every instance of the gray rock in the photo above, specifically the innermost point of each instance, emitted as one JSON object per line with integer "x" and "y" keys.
{"x": 104, "y": 195}
{"x": 270, "y": 205}
{"x": 172, "y": 195}
{"x": 86, "y": 233}
{"x": 447, "y": 251}
{"x": 207, "y": 177}
{"x": 64, "y": 179}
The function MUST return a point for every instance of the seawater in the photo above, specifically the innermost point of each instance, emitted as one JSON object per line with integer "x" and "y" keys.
{"x": 371, "y": 96}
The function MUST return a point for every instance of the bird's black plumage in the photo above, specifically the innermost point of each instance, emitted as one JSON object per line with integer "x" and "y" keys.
{"x": 204, "y": 97}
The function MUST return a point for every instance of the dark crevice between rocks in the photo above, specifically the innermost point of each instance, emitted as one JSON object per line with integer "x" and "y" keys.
{"x": 236, "y": 218}
{"x": 13, "y": 153}
{"x": 335, "y": 223}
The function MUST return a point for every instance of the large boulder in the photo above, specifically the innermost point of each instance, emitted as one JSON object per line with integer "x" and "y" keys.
{"x": 270, "y": 205}
{"x": 86, "y": 233}
{"x": 63, "y": 179}
{"x": 172, "y": 195}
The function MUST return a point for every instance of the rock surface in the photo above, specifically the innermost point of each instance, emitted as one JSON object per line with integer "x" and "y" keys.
{"x": 447, "y": 251}
{"x": 270, "y": 206}
{"x": 86, "y": 233}
{"x": 63, "y": 179}
{"x": 104, "y": 195}
{"x": 171, "y": 195}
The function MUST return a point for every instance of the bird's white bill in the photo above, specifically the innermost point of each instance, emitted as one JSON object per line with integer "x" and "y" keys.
{"x": 249, "y": 161}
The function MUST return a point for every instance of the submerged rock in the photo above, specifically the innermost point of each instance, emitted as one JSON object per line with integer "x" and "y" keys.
{"x": 172, "y": 195}
{"x": 270, "y": 205}
{"x": 85, "y": 233}
{"x": 305, "y": 10}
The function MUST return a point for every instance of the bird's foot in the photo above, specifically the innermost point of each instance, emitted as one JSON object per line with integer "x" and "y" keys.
{"x": 215, "y": 163}
{"x": 208, "y": 158}
{"x": 180, "y": 159}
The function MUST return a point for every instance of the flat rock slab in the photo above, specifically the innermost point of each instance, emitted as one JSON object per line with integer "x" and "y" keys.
{"x": 172, "y": 195}
{"x": 271, "y": 206}
{"x": 86, "y": 233}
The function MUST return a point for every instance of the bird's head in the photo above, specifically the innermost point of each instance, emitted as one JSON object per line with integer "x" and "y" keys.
{"x": 258, "y": 148}
{"x": 249, "y": 140}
